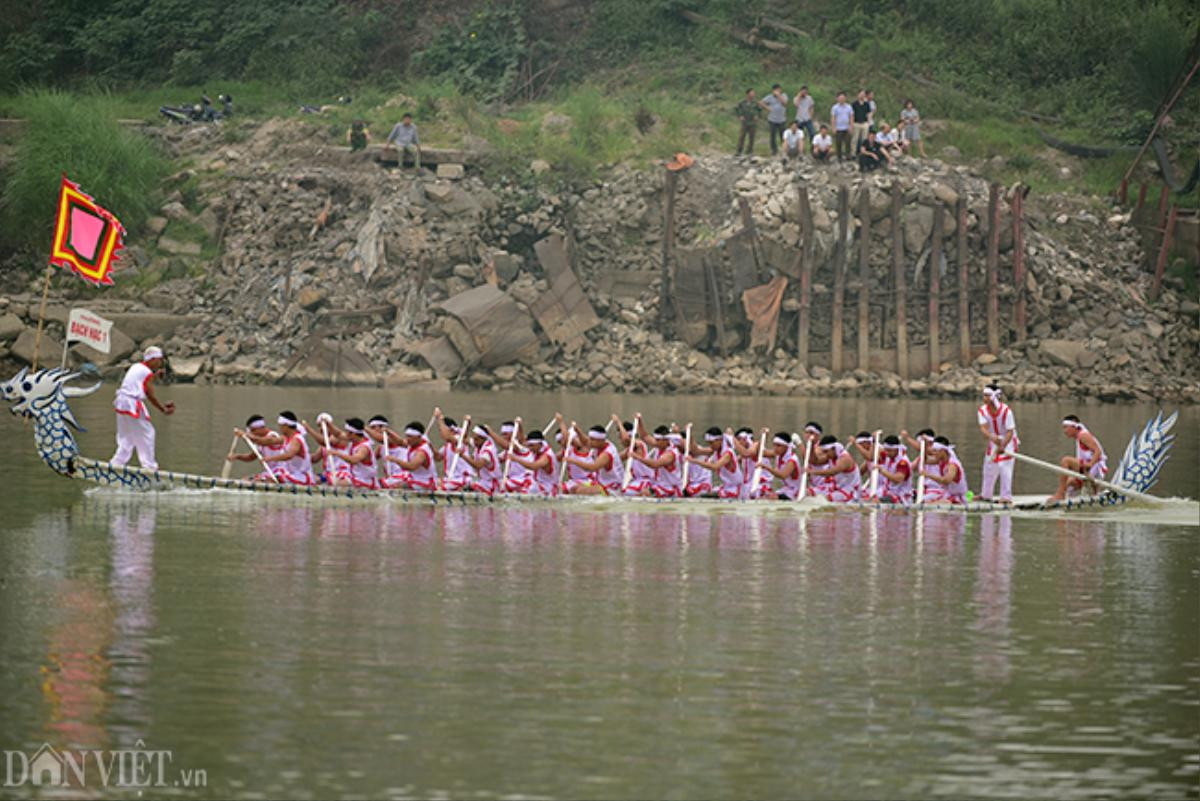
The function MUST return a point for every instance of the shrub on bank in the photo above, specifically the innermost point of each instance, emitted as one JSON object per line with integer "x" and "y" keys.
{"x": 75, "y": 135}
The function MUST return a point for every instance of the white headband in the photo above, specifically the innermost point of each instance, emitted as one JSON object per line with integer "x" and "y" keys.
{"x": 479, "y": 431}
{"x": 713, "y": 437}
{"x": 507, "y": 428}
{"x": 597, "y": 433}
{"x": 675, "y": 436}
{"x": 152, "y": 352}
{"x": 937, "y": 446}
{"x": 812, "y": 430}
{"x": 287, "y": 421}
{"x": 257, "y": 424}
{"x": 867, "y": 440}
{"x": 779, "y": 440}
{"x": 412, "y": 432}
{"x": 746, "y": 435}
{"x": 1073, "y": 424}
{"x": 352, "y": 429}
{"x": 375, "y": 421}
{"x": 988, "y": 392}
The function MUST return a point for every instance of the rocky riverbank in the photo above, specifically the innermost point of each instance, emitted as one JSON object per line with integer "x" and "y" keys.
{"x": 283, "y": 259}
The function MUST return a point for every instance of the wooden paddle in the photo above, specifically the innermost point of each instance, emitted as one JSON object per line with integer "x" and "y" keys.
{"x": 258, "y": 455}
{"x": 875, "y": 467}
{"x": 562, "y": 468}
{"x": 757, "y": 474}
{"x": 325, "y": 434}
{"x": 1108, "y": 485}
{"x": 804, "y": 469}
{"x": 921, "y": 477}
{"x": 225, "y": 468}
{"x": 629, "y": 457}
{"x": 512, "y": 438}
{"x": 462, "y": 432}
{"x": 687, "y": 449}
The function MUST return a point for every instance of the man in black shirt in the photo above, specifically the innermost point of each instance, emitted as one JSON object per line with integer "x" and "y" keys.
{"x": 862, "y": 119}
{"x": 870, "y": 154}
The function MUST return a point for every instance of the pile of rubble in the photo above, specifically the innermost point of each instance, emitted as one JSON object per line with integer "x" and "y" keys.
{"x": 317, "y": 265}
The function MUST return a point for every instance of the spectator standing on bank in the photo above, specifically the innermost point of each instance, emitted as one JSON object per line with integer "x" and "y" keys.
{"x": 804, "y": 109}
{"x": 861, "y": 108}
{"x": 793, "y": 142}
{"x": 911, "y": 119}
{"x": 748, "y": 112}
{"x": 840, "y": 117}
{"x": 404, "y": 138}
{"x": 822, "y": 145}
{"x": 776, "y": 106}
{"x": 874, "y": 109}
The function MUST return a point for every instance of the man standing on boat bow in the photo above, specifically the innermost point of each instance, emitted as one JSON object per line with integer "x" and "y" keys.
{"x": 134, "y": 429}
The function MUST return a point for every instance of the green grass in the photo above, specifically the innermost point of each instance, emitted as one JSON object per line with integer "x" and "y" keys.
{"x": 77, "y": 136}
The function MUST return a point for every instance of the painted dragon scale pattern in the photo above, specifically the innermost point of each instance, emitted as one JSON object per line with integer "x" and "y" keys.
{"x": 42, "y": 396}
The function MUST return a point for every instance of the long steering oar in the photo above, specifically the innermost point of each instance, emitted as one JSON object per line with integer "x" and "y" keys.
{"x": 921, "y": 477}
{"x": 225, "y": 468}
{"x": 875, "y": 468}
{"x": 1108, "y": 485}
{"x": 629, "y": 457}
{"x": 259, "y": 456}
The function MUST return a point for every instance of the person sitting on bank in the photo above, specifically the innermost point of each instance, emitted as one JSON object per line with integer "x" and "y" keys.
{"x": 870, "y": 154}
{"x": 822, "y": 146}
{"x": 358, "y": 136}
{"x": 404, "y": 138}
{"x": 793, "y": 142}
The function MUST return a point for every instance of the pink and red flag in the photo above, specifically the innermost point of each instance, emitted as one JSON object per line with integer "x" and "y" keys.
{"x": 86, "y": 236}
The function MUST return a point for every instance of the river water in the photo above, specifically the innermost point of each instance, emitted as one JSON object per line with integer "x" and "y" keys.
{"x": 291, "y": 648}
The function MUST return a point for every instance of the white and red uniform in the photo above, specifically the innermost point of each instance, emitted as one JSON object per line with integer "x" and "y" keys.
{"x": 998, "y": 463}
{"x": 272, "y": 468}
{"x": 488, "y": 477}
{"x": 1100, "y": 468}
{"x": 667, "y": 481}
{"x": 955, "y": 491}
{"x": 576, "y": 475}
{"x": 733, "y": 475}
{"x": 790, "y": 486}
{"x": 611, "y": 477}
{"x": 134, "y": 429}
{"x": 545, "y": 481}
{"x": 641, "y": 477}
{"x": 895, "y": 491}
{"x": 463, "y": 472}
{"x": 392, "y": 474}
{"x": 298, "y": 469}
{"x": 840, "y": 487}
{"x": 358, "y": 474}
{"x": 700, "y": 481}
{"x": 424, "y": 478}
{"x": 520, "y": 477}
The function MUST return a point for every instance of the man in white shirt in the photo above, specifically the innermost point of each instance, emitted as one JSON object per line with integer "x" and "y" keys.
{"x": 822, "y": 144}
{"x": 804, "y": 109}
{"x": 840, "y": 118}
{"x": 999, "y": 427}
{"x": 134, "y": 429}
{"x": 793, "y": 142}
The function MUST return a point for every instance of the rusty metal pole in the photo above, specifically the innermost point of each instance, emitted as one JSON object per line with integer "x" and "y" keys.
{"x": 864, "y": 278}
{"x": 1163, "y": 251}
{"x": 1018, "y": 230}
{"x": 803, "y": 318}
{"x": 839, "y": 280}
{"x": 991, "y": 265}
{"x": 964, "y": 299}
{"x": 935, "y": 288}
{"x": 901, "y": 284}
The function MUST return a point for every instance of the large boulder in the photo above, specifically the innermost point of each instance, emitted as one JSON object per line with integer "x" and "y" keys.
{"x": 49, "y": 351}
{"x": 918, "y": 223}
{"x": 1065, "y": 352}
{"x": 142, "y": 326}
{"x": 10, "y": 327}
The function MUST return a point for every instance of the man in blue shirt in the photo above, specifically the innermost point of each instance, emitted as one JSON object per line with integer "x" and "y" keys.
{"x": 404, "y": 138}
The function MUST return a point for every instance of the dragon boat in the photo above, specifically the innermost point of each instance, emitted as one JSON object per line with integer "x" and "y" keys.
{"x": 42, "y": 396}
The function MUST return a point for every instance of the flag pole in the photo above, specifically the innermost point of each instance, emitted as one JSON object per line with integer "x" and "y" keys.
{"x": 37, "y": 340}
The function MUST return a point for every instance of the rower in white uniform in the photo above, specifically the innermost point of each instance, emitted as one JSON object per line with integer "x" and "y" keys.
{"x": 134, "y": 429}
{"x": 1089, "y": 458}
{"x": 999, "y": 428}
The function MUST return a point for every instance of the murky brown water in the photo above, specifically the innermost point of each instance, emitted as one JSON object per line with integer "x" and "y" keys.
{"x": 357, "y": 649}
